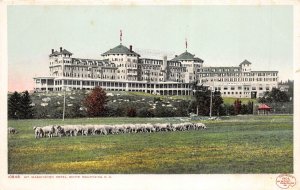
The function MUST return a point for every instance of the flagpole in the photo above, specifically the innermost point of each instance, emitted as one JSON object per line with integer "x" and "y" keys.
{"x": 120, "y": 36}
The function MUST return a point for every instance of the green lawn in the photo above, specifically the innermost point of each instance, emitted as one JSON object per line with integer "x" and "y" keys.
{"x": 230, "y": 101}
{"x": 239, "y": 144}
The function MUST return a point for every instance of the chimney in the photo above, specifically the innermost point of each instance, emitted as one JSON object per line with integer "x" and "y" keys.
{"x": 165, "y": 68}
{"x": 52, "y": 51}
{"x": 60, "y": 49}
{"x": 165, "y": 59}
{"x": 130, "y": 48}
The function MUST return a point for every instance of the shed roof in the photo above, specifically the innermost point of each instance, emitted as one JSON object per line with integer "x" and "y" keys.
{"x": 264, "y": 107}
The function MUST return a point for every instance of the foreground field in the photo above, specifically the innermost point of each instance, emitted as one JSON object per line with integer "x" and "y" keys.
{"x": 240, "y": 144}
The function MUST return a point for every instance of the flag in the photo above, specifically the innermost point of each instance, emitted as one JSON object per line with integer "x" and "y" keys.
{"x": 185, "y": 43}
{"x": 120, "y": 36}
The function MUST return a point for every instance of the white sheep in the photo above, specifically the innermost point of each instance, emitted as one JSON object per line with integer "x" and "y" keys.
{"x": 12, "y": 130}
{"x": 38, "y": 132}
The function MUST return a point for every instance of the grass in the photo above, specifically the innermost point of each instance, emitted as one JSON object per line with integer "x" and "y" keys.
{"x": 230, "y": 101}
{"x": 239, "y": 144}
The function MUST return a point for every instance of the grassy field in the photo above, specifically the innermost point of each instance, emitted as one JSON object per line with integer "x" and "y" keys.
{"x": 230, "y": 101}
{"x": 239, "y": 144}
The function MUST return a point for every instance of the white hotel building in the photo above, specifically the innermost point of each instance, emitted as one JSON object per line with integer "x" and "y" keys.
{"x": 122, "y": 69}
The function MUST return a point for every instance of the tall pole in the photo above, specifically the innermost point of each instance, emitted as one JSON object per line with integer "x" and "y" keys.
{"x": 210, "y": 107}
{"x": 64, "y": 107}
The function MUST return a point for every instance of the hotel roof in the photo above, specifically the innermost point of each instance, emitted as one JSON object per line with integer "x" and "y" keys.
{"x": 245, "y": 62}
{"x": 62, "y": 52}
{"x": 120, "y": 49}
{"x": 186, "y": 56}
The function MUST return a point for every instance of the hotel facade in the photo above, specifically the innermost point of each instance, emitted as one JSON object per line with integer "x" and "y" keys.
{"x": 122, "y": 69}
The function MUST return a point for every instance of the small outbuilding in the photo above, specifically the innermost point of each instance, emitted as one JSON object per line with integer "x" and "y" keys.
{"x": 263, "y": 109}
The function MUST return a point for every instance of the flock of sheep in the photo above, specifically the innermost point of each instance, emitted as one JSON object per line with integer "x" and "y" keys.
{"x": 74, "y": 130}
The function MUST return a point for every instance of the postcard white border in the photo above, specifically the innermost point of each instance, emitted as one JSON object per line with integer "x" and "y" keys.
{"x": 211, "y": 181}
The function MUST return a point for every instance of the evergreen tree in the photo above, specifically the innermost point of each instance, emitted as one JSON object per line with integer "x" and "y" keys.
{"x": 14, "y": 106}
{"x": 217, "y": 103}
{"x": 250, "y": 107}
{"x": 231, "y": 110}
{"x": 203, "y": 101}
{"x": 26, "y": 109}
{"x": 244, "y": 109}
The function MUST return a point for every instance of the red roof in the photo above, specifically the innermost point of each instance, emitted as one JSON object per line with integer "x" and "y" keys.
{"x": 264, "y": 107}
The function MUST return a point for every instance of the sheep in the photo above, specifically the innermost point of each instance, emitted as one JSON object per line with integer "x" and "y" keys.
{"x": 48, "y": 130}
{"x": 200, "y": 126}
{"x": 178, "y": 127}
{"x": 57, "y": 130}
{"x": 12, "y": 130}
{"x": 149, "y": 127}
{"x": 99, "y": 129}
{"x": 67, "y": 130}
{"x": 88, "y": 129}
{"x": 114, "y": 129}
{"x": 119, "y": 129}
{"x": 74, "y": 130}
{"x": 163, "y": 127}
{"x": 78, "y": 129}
{"x": 140, "y": 128}
{"x": 166, "y": 127}
{"x": 38, "y": 132}
{"x": 133, "y": 128}
{"x": 189, "y": 126}
{"x": 128, "y": 128}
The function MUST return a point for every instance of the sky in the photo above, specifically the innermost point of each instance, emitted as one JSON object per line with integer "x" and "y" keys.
{"x": 220, "y": 35}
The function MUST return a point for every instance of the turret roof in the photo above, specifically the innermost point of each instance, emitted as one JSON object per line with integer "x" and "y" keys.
{"x": 186, "y": 56}
{"x": 120, "y": 49}
{"x": 245, "y": 62}
{"x": 64, "y": 52}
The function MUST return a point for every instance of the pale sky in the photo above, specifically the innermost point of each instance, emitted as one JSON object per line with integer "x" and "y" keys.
{"x": 220, "y": 35}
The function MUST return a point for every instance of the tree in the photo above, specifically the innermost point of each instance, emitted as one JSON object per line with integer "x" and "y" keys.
{"x": 275, "y": 95}
{"x": 181, "y": 108}
{"x": 237, "y": 106}
{"x": 244, "y": 109}
{"x": 95, "y": 102}
{"x": 231, "y": 110}
{"x": 217, "y": 102}
{"x": 250, "y": 107}
{"x": 203, "y": 101}
{"x": 26, "y": 109}
{"x": 14, "y": 106}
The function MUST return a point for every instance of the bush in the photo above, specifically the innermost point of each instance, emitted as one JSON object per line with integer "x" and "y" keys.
{"x": 144, "y": 112}
{"x": 162, "y": 111}
{"x": 131, "y": 112}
